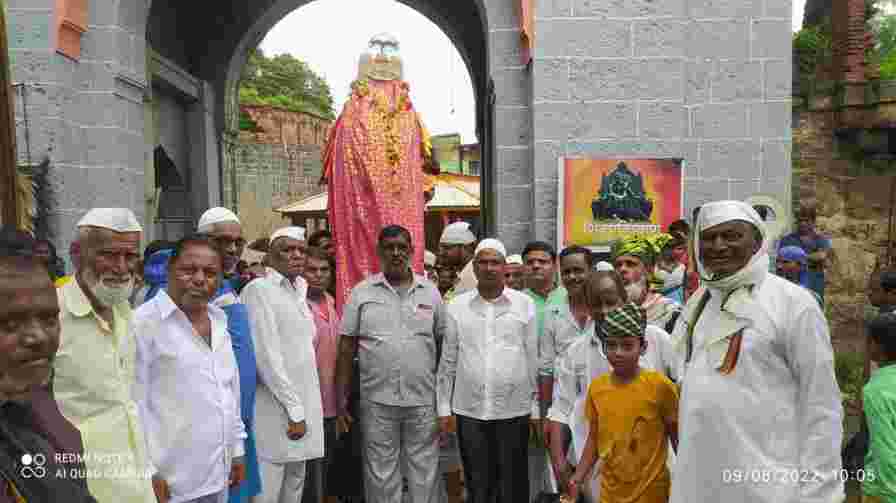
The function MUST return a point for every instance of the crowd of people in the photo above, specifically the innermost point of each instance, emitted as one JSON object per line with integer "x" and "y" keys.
{"x": 680, "y": 369}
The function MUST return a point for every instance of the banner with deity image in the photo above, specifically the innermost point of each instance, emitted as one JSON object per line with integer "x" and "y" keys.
{"x": 603, "y": 200}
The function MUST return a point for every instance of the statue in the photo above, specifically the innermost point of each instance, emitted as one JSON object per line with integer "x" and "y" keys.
{"x": 622, "y": 197}
{"x": 377, "y": 166}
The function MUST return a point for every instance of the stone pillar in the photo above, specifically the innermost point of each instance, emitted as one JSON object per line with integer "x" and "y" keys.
{"x": 849, "y": 40}
{"x": 516, "y": 189}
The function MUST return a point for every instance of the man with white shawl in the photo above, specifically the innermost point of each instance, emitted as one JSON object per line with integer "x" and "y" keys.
{"x": 760, "y": 411}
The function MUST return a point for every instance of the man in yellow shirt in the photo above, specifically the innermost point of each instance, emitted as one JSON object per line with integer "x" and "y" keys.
{"x": 94, "y": 368}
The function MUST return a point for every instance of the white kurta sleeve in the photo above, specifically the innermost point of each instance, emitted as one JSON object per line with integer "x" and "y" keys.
{"x": 270, "y": 351}
{"x": 143, "y": 365}
{"x": 531, "y": 341}
{"x": 547, "y": 344}
{"x": 447, "y": 372}
{"x": 565, "y": 385}
{"x": 239, "y": 429}
{"x": 819, "y": 406}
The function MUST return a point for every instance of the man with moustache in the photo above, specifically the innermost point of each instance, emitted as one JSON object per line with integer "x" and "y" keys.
{"x": 393, "y": 321}
{"x": 94, "y": 368}
{"x": 226, "y": 232}
{"x": 32, "y": 431}
{"x": 760, "y": 411}
{"x": 187, "y": 383}
{"x": 634, "y": 258}
{"x": 288, "y": 409}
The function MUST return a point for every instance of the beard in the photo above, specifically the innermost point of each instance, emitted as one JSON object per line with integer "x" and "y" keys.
{"x": 636, "y": 290}
{"x": 109, "y": 296}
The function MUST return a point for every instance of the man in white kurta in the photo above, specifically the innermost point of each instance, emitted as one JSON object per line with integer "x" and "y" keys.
{"x": 288, "y": 410}
{"x": 94, "y": 368}
{"x": 187, "y": 383}
{"x": 760, "y": 411}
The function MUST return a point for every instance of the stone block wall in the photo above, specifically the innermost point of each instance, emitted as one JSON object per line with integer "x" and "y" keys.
{"x": 268, "y": 177}
{"x": 84, "y": 115}
{"x": 707, "y": 81}
{"x": 853, "y": 198}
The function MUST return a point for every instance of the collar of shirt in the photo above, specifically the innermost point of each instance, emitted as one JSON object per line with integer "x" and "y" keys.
{"x": 77, "y": 303}
{"x": 887, "y": 371}
{"x": 478, "y": 304}
{"x": 167, "y": 309}
{"x": 299, "y": 285}
{"x": 556, "y": 296}
{"x": 380, "y": 280}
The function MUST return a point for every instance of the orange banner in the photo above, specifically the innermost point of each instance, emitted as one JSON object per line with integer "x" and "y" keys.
{"x": 603, "y": 200}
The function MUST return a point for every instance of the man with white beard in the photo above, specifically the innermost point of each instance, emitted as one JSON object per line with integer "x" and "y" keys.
{"x": 760, "y": 410}
{"x": 94, "y": 368}
{"x": 634, "y": 258}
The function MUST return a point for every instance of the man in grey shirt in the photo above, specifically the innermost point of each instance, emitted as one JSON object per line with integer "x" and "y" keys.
{"x": 392, "y": 321}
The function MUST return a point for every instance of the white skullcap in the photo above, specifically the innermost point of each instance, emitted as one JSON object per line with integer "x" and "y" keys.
{"x": 429, "y": 258}
{"x": 604, "y": 266}
{"x": 457, "y": 233}
{"x": 297, "y": 233}
{"x": 515, "y": 259}
{"x": 491, "y": 244}
{"x": 217, "y": 216}
{"x": 115, "y": 219}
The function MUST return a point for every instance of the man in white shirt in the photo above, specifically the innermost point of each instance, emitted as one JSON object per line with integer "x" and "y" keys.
{"x": 760, "y": 410}
{"x": 487, "y": 379}
{"x": 288, "y": 411}
{"x": 187, "y": 383}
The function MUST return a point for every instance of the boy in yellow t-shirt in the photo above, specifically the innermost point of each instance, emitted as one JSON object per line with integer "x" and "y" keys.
{"x": 633, "y": 415}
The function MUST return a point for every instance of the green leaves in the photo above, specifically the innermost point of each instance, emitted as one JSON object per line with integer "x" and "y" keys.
{"x": 285, "y": 82}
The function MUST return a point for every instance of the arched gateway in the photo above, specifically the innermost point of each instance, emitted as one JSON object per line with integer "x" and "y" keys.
{"x": 107, "y": 81}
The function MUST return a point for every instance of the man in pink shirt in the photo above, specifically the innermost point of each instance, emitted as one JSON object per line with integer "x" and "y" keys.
{"x": 319, "y": 274}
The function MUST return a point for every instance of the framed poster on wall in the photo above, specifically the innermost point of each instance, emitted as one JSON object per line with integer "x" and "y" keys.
{"x": 603, "y": 200}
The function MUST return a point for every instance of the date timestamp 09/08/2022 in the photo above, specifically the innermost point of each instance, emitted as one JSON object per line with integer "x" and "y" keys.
{"x": 785, "y": 476}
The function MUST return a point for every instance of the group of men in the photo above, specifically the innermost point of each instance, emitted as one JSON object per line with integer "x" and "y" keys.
{"x": 200, "y": 395}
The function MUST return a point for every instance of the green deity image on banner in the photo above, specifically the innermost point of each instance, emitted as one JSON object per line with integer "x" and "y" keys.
{"x": 621, "y": 197}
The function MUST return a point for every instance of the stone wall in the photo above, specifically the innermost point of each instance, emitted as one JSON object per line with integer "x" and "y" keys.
{"x": 268, "y": 177}
{"x": 837, "y": 164}
{"x": 707, "y": 81}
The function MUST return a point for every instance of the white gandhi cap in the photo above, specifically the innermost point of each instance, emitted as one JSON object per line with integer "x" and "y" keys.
{"x": 297, "y": 233}
{"x": 216, "y": 216}
{"x": 491, "y": 244}
{"x": 115, "y": 219}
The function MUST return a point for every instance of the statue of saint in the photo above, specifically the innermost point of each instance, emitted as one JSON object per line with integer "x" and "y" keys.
{"x": 621, "y": 197}
{"x": 377, "y": 166}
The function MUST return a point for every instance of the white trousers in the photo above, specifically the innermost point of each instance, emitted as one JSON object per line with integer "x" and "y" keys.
{"x": 281, "y": 482}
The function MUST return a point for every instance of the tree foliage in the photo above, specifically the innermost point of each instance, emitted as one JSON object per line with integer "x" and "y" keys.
{"x": 284, "y": 82}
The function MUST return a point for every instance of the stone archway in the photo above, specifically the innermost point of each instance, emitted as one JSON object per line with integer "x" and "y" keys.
{"x": 211, "y": 43}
